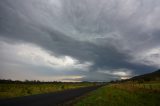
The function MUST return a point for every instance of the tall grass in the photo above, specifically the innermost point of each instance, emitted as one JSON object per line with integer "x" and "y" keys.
{"x": 123, "y": 95}
{"x": 138, "y": 87}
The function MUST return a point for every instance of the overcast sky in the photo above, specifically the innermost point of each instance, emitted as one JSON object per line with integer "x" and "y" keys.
{"x": 78, "y": 40}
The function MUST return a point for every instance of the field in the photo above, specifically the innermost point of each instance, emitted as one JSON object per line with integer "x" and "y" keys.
{"x": 123, "y": 94}
{"x": 9, "y": 90}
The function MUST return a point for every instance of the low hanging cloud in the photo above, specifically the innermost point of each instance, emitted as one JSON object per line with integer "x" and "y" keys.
{"x": 82, "y": 40}
{"x": 34, "y": 57}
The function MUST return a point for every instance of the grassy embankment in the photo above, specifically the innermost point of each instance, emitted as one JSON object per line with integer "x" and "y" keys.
{"x": 123, "y": 94}
{"x": 9, "y": 90}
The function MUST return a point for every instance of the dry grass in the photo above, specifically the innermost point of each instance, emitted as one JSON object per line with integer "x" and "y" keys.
{"x": 133, "y": 87}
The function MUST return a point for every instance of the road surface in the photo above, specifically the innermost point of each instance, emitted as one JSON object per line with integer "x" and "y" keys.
{"x": 49, "y": 99}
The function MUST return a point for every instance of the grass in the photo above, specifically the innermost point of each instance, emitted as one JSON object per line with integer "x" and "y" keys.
{"x": 124, "y": 94}
{"x": 16, "y": 90}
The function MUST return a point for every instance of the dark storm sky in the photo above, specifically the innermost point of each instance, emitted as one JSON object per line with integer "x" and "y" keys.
{"x": 78, "y": 40}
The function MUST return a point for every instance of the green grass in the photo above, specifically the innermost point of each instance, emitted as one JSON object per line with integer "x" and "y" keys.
{"x": 15, "y": 90}
{"x": 123, "y": 95}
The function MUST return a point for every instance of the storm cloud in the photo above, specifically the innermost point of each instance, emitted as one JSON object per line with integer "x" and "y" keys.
{"x": 84, "y": 40}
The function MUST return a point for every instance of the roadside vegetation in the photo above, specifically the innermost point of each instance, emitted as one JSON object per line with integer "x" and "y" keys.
{"x": 123, "y": 94}
{"x": 143, "y": 90}
{"x": 10, "y": 89}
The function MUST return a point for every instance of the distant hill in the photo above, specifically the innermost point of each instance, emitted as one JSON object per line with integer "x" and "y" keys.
{"x": 154, "y": 76}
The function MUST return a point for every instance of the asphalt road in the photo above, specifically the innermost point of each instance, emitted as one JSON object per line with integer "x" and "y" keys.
{"x": 49, "y": 99}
